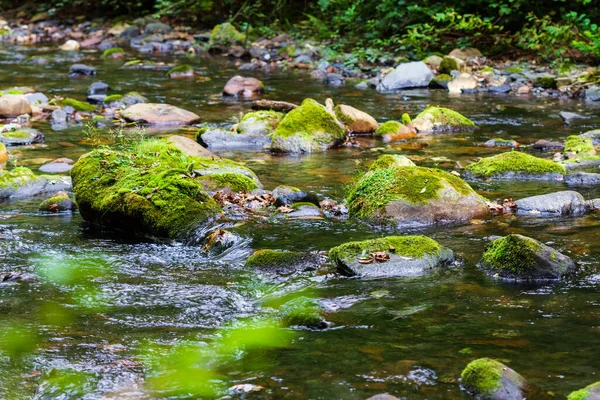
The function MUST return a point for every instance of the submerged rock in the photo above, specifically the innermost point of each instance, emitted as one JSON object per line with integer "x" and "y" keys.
{"x": 303, "y": 312}
{"x": 58, "y": 166}
{"x": 13, "y": 105}
{"x": 22, "y": 182}
{"x": 306, "y": 129}
{"x": 58, "y": 203}
{"x": 516, "y": 165}
{"x": 439, "y": 120}
{"x": 566, "y": 202}
{"x": 390, "y": 256}
{"x": 282, "y": 262}
{"x": 21, "y": 137}
{"x": 81, "y": 70}
{"x": 356, "y": 121}
{"x": 414, "y": 196}
{"x": 148, "y": 191}
{"x": 406, "y": 76}
{"x": 591, "y": 392}
{"x": 159, "y": 114}
{"x": 489, "y": 379}
{"x": 520, "y": 258}
{"x": 241, "y": 86}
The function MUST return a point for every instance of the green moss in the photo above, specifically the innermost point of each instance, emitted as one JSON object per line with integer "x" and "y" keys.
{"x": 46, "y": 204}
{"x": 487, "y": 69}
{"x": 15, "y": 178}
{"x": 14, "y": 91}
{"x": 448, "y": 65}
{"x": 483, "y": 377}
{"x": 300, "y": 204}
{"x": 406, "y": 119}
{"x": 2, "y": 148}
{"x": 376, "y": 189}
{"x": 18, "y": 134}
{"x": 514, "y": 70}
{"x": 514, "y": 161}
{"x": 132, "y": 63}
{"x": 183, "y": 69}
{"x": 273, "y": 258}
{"x": 115, "y": 50}
{"x": 226, "y": 35}
{"x": 4, "y": 32}
{"x": 112, "y": 98}
{"x": 303, "y": 311}
{"x": 312, "y": 122}
{"x": 512, "y": 253}
{"x": 235, "y": 182}
{"x": 345, "y": 118}
{"x": 582, "y": 159}
{"x": 583, "y": 394}
{"x": 221, "y": 173}
{"x": 579, "y": 146}
{"x": 389, "y": 128}
{"x": 405, "y": 246}
{"x": 547, "y": 82}
{"x": 444, "y": 119}
{"x": 147, "y": 189}
{"x": 391, "y": 160}
{"x": 77, "y": 105}
{"x": 443, "y": 78}
{"x": 270, "y": 118}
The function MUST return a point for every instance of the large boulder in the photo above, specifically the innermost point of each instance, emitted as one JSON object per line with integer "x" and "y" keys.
{"x": 243, "y": 86}
{"x": 356, "y": 121}
{"x": 488, "y": 379}
{"x": 22, "y": 182}
{"x": 13, "y": 105}
{"x": 405, "y": 76}
{"x": 439, "y": 120}
{"x": 306, "y": 129}
{"x": 516, "y": 165}
{"x": 159, "y": 114}
{"x": 521, "y": 258}
{"x": 148, "y": 190}
{"x": 390, "y": 256}
{"x": 591, "y": 392}
{"x": 414, "y": 196}
{"x": 567, "y": 202}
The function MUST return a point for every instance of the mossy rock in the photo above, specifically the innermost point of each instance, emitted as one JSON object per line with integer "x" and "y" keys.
{"x": 259, "y": 123}
{"x": 181, "y": 71}
{"x": 546, "y": 82}
{"x": 391, "y": 160}
{"x": 216, "y": 174}
{"x": 282, "y": 262}
{"x": 57, "y": 204}
{"x": 113, "y": 98}
{"x": 578, "y": 146}
{"x": 414, "y": 196}
{"x": 488, "y": 379}
{"x": 389, "y": 128}
{"x": 516, "y": 165}
{"x": 306, "y": 129}
{"x": 408, "y": 256}
{"x": 520, "y": 258}
{"x": 514, "y": 70}
{"x": 22, "y": 182}
{"x": 285, "y": 195}
{"x": 225, "y": 35}
{"x": 21, "y": 137}
{"x": 108, "y": 53}
{"x": 439, "y": 120}
{"x": 440, "y": 81}
{"x": 303, "y": 312}
{"x": 77, "y": 105}
{"x": 591, "y": 392}
{"x": 148, "y": 190}
{"x": 448, "y": 65}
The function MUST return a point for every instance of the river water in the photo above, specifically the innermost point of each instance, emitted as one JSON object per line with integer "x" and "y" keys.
{"x": 407, "y": 336}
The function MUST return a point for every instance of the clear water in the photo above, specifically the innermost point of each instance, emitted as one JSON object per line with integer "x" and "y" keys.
{"x": 407, "y": 336}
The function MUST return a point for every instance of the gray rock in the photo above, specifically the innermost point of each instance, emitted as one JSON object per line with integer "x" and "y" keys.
{"x": 287, "y": 195}
{"x": 303, "y": 58}
{"x": 593, "y": 93}
{"x": 362, "y": 85}
{"x": 546, "y": 145}
{"x": 594, "y": 135}
{"x": 582, "y": 179}
{"x": 98, "y": 88}
{"x": 406, "y": 76}
{"x": 157, "y": 27}
{"x": 567, "y": 202}
{"x": 59, "y": 116}
{"x": 37, "y": 98}
{"x": 80, "y": 70}
{"x": 106, "y": 44}
{"x": 335, "y": 79}
{"x": 568, "y": 117}
{"x": 219, "y": 138}
{"x": 56, "y": 167}
{"x": 501, "y": 143}
{"x": 304, "y": 211}
{"x": 383, "y": 396}
{"x": 31, "y": 185}
{"x": 500, "y": 89}
{"x": 323, "y": 65}
{"x": 96, "y": 99}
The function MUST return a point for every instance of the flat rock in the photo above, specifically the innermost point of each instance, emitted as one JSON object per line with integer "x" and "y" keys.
{"x": 159, "y": 114}
{"x": 405, "y": 76}
{"x": 21, "y": 137}
{"x": 21, "y": 182}
{"x": 189, "y": 147}
{"x": 569, "y": 117}
{"x": 567, "y": 202}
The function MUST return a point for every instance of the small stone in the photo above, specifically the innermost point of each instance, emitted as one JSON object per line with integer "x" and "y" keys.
{"x": 98, "y": 88}
{"x": 70, "y": 45}
{"x": 80, "y": 70}
{"x": 241, "y": 86}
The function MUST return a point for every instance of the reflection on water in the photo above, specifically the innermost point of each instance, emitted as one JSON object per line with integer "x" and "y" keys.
{"x": 407, "y": 336}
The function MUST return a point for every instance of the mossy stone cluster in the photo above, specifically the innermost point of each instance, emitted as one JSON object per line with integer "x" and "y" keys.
{"x": 222, "y": 173}
{"x": 308, "y": 128}
{"x": 147, "y": 190}
{"x": 113, "y": 98}
{"x": 440, "y": 119}
{"x": 517, "y": 165}
{"x": 578, "y": 146}
{"x": 303, "y": 312}
{"x": 15, "y": 178}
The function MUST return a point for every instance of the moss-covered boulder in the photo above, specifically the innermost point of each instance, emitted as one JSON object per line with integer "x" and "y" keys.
{"x": 520, "y": 258}
{"x": 58, "y": 203}
{"x": 306, "y": 129}
{"x": 181, "y": 71}
{"x": 440, "y": 81}
{"x": 303, "y": 312}
{"x": 21, "y": 137}
{"x": 390, "y": 256}
{"x": 488, "y": 379}
{"x": 578, "y": 146}
{"x": 414, "y": 196}
{"x": 449, "y": 64}
{"x": 391, "y": 160}
{"x": 392, "y": 130}
{"x": 440, "y": 120}
{"x": 225, "y": 35}
{"x": 22, "y": 182}
{"x": 282, "y": 262}
{"x": 516, "y": 165}
{"x": 216, "y": 174}
{"x": 591, "y": 392}
{"x": 159, "y": 114}
{"x": 356, "y": 121}
{"x": 148, "y": 190}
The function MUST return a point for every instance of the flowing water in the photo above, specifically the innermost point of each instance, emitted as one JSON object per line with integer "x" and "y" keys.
{"x": 406, "y": 336}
